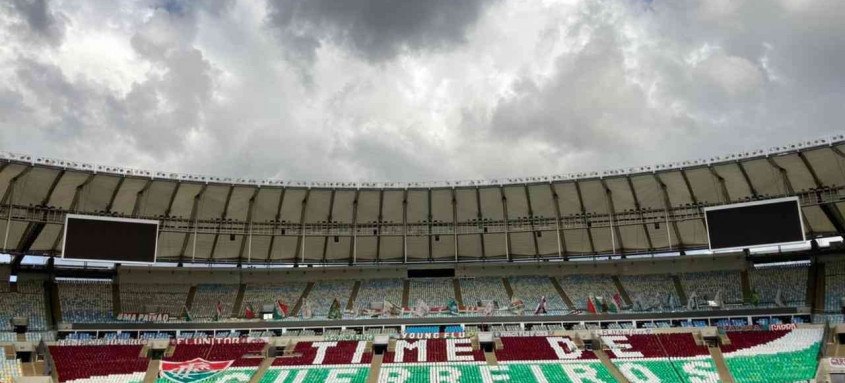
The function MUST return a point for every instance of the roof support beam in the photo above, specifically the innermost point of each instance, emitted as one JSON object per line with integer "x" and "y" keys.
{"x": 114, "y": 193}
{"x": 223, "y": 216}
{"x": 32, "y": 230}
{"x": 276, "y": 223}
{"x": 531, "y": 221}
{"x": 481, "y": 223}
{"x": 747, "y": 179}
{"x": 8, "y": 199}
{"x": 829, "y": 210}
{"x": 561, "y": 239}
{"x": 584, "y": 218}
{"x": 639, "y": 209}
{"x": 380, "y": 218}
{"x": 726, "y": 197}
{"x": 74, "y": 207}
{"x": 507, "y": 223}
{"x": 787, "y": 184}
{"x": 329, "y": 224}
{"x": 246, "y": 240}
{"x": 429, "y": 218}
{"x": 404, "y": 226}
{"x": 667, "y": 207}
{"x": 689, "y": 187}
{"x": 136, "y": 208}
{"x": 353, "y": 243}
{"x": 816, "y": 180}
{"x": 194, "y": 212}
{"x": 300, "y": 240}
{"x": 615, "y": 234}
{"x": 455, "y": 223}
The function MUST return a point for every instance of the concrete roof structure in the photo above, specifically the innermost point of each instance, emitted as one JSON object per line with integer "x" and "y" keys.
{"x": 622, "y": 212}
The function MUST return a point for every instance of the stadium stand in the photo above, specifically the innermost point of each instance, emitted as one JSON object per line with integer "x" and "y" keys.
{"x": 99, "y": 364}
{"x": 85, "y": 301}
{"x": 531, "y": 288}
{"x": 669, "y": 357}
{"x": 205, "y": 301}
{"x": 834, "y": 286}
{"x": 379, "y": 290}
{"x": 790, "y": 280}
{"x": 322, "y": 362}
{"x": 707, "y": 284}
{"x": 267, "y": 294}
{"x": 655, "y": 292}
{"x": 434, "y": 291}
{"x": 325, "y": 292}
{"x": 581, "y": 287}
{"x": 27, "y": 301}
{"x": 773, "y": 356}
{"x": 153, "y": 298}
{"x": 9, "y": 369}
{"x": 476, "y": 291}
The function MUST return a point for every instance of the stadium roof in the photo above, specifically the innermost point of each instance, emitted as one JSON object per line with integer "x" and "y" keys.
{"x": 630, "y": 211}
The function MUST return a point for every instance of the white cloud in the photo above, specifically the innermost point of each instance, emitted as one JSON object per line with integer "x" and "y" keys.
{"x": 510, "y": 88}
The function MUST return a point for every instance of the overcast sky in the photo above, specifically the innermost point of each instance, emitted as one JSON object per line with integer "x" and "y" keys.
{"x": 415, "y": 90}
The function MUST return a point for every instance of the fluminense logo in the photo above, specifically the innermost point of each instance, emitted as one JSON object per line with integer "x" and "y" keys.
{"x": 192, "y": 370}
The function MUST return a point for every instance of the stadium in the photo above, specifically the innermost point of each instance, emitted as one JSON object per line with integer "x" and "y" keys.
{"x": 124, "y": 275}
{"x": 406, "y": 191}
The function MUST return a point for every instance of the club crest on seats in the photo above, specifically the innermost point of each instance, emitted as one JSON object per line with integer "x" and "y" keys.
{"x": 192, "y": 370}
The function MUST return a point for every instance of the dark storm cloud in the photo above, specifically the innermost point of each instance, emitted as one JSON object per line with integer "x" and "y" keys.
{"x": 374, "y": 29}
{"x": 37, "y": 20}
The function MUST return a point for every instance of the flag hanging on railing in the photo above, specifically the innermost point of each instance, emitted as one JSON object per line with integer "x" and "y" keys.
{"x": 541, "y": 307}
{"x": 218, "y": 311}
{"x": 249, "y": 312}
{"x": 591, "y": 305}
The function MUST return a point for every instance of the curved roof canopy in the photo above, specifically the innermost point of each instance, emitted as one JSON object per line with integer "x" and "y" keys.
{"x": 623, "y": 212}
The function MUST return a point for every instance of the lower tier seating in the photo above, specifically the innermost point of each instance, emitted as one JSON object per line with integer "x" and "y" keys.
{"x": 326, "y": 353}
{"x": 112, "y": 363}
{"x": 773, "y": 356}
{"x": 661, "y": 358}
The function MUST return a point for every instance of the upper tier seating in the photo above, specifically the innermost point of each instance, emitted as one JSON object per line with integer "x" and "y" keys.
{"x": 580, "y": 287}
{"x": 475, "y": 291}
{"x": 82, "y": 362}
{"x": 652, "y": 291}
{"x": 708, "y": 284}
{"x": 434, "y": 291}
{"x": 28, "y": 301}
{"x": 153, "y": 298}
{"x": 85, "y": 301}
{"x": 773, "y": 356}
{"x": 834, "y": 286}
{"x": 325, "y": 292}
{"x": 9, "y": 369}
{"x": 267, "y": 294}
{"x": 379, "y": 290}
{"x": 791, "y": 280}
{"x": 204, "y": 305}
{"x": 531, "y": 289}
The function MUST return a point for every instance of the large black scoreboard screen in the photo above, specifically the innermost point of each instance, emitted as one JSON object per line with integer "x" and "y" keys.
{"x": 93, "y": 238}
{"x": 759, "y": 223}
